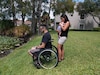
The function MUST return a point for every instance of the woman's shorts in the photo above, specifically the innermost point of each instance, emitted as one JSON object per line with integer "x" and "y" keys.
{"x": 62, "y": 40}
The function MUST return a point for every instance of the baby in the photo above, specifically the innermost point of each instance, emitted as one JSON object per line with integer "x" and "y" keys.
{"x": 59, "y": 28}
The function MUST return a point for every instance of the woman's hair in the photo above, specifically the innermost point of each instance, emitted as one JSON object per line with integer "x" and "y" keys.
{"x": 65, "y": 17}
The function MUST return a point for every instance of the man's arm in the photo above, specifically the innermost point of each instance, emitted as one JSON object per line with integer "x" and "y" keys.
{"x": 42, "y": 45}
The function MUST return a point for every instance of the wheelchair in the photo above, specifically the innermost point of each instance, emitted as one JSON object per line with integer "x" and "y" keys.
{"x": 47, "y": 58}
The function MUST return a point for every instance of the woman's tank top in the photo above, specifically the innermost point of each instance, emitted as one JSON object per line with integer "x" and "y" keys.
{"x": 64, "y": 33}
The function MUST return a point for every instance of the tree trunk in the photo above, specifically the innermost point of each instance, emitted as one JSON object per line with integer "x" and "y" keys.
{"x": 33, "y": 26}
{"x": 13, "y": 11}
{"x": 99, "y": 21}
{"x": 23, "y": 18}
{"x": 95, "y": 19}
{"x": 49, "y": 15}
{"x": 39, "y": 15}
{"x": 14, "y": 19}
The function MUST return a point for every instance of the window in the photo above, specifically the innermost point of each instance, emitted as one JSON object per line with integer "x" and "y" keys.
{"x": 81, "y": 26}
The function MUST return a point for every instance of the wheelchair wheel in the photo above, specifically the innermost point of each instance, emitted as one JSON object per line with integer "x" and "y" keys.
{"x": 48, "y": 59}
{"x": 54, "y": 49}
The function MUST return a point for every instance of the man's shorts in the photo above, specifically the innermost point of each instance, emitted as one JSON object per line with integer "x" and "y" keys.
{"x": 62, "y": 40}
{"x": 34, "y": 50}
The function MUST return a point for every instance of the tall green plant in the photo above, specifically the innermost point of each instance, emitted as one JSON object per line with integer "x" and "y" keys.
{"x": 6, "y": 25}
{"x": 7, "y": 43}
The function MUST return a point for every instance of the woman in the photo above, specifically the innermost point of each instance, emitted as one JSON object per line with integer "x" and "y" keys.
{"x": 64, "y": 24}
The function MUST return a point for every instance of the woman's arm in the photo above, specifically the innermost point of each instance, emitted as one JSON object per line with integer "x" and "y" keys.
{"x": 64, "y": 27}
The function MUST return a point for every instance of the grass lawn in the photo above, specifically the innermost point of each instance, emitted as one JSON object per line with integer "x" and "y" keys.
{"x": 82, "y": 57}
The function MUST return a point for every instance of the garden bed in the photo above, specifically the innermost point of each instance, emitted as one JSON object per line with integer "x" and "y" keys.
{"x": 4, "y": 53}
{"x": 8, "y": 44}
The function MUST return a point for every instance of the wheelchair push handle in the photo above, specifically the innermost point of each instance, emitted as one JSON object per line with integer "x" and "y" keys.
{"x": 52, "y": 40}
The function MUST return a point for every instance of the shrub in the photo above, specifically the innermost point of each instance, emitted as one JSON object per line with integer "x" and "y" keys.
{"x": 18, "y": 31}
{"x": 21, "y": 31}
{"x": 97, "y": 29}
{"x": 7, "y": 43}
{"x": 10, "y": 32}
{"x": 6, "y": 25}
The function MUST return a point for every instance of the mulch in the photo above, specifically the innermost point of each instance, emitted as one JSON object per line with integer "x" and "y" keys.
{"x": 4, "y": 53}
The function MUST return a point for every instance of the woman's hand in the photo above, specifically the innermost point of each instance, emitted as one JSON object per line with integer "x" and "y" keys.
{"x": 65, "y": 26}
{"x": 61, "y": 23}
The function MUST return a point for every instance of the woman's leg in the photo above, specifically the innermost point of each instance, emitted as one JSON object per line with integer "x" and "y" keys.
{"x": 59, "y": 52}
{"x": 62, "y": 52}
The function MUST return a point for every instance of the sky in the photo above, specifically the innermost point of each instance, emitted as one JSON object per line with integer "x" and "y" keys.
{"x": 79, "y": 0}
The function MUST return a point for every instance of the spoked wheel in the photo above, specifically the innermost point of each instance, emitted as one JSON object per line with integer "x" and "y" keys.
{"x": 48, "y": 59}
{"x": 54, "y": 49}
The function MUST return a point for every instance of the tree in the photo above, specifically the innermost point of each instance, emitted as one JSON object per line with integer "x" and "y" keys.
{"x": 61, "y": 6}
{"x": 33, "y": 29}
{"x": 1, "y": 9}
{"x": 4, "y": 9}
{"x": 91, "y": 7}
{"x": 46, "y": 8}
{"x": 13, "y": 12}
{"x": 45, "y": 17}
{"x": 7, "y": 9}
{"x": 36, "y": 14}
{"x": 23, "y": 7}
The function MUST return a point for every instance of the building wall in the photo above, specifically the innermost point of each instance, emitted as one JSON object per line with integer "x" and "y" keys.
{"x": 27, "y": 22}
{"x": 76, "y": 23}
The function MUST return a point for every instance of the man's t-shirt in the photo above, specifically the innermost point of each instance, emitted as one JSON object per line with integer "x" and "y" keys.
{"x": 46, "y": 39}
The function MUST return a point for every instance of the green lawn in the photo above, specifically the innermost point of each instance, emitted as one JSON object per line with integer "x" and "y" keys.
{"x": 82, "y": 57}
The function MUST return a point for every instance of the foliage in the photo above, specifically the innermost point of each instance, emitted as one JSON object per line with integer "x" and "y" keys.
{"x": 10, "y": 32}
{"x": 13, "y": 7}
{"x": 31, "y": 7}
{"x": 96, "y": 29}
{"x": 82, "y": 57}
{"x": 88, "y": 6}
{"x": 7, "y": 9}
{"x": 64, "y": 5}
{"x": 21, "y": 31}
{"x": 45, "y": 18}
{"x": 91, "y": 7}
{"x": 18, "y": 31}
{"x": 5, "y": 25}
{"x": 23, "y": 7}
{"x": 7, "y": 43}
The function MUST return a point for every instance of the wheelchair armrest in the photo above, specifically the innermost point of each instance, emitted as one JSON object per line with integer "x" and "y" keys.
{"x": 52, "y": 40}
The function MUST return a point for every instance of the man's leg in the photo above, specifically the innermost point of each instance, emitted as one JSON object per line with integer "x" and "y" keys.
{"x": 31, "y": 51}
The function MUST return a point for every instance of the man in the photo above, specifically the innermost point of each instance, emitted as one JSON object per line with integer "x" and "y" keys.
{"x": 44, "y": 42}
